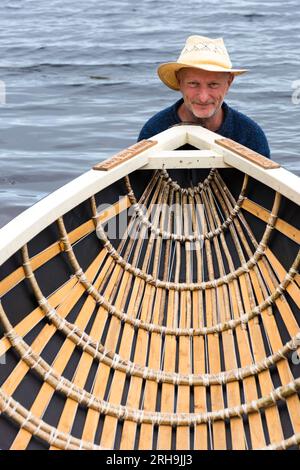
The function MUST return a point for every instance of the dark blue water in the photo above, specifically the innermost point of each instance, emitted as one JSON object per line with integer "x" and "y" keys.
{"x": 81, "y": 80}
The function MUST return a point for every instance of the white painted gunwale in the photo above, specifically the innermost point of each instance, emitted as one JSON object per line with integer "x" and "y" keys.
{"x": 33, "y": 220}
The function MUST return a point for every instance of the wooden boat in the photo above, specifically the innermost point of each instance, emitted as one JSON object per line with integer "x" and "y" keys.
{"x": 179, "y": 331}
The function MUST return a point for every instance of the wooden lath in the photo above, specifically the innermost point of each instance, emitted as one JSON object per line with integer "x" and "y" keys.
{"x": 250, "y": 155}
{"x": 284, "y": 227}
{"x": 124, "y": 155}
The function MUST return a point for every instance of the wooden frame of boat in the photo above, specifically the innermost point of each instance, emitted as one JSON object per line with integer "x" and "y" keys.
{"x": 30, "y": 222}
{"x": 198, "y": 355}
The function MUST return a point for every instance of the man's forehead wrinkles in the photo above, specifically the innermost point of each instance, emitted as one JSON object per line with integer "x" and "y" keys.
{"x": 197, "y": 75}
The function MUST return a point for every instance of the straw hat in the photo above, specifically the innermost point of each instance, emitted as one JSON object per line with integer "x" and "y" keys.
{"x": 202, "y": 53}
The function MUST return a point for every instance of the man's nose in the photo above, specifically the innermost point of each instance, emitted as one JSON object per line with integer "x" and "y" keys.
{"x": 203, "y": 95}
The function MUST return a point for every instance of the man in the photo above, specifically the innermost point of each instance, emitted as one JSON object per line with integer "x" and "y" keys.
{"x": 203, "y": 74}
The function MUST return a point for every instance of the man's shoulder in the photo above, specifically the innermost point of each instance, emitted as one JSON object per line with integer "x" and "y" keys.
{"x": 248, "y": 132}
{"x": 246, "y": 121}
{"x": 159, "y": 122}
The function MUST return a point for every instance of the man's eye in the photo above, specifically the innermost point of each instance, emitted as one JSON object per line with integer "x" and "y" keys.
{"x": 213, "y": 85}
{"x": 193, "y": 84}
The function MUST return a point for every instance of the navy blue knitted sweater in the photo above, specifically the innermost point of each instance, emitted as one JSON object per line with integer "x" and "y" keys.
{"x": 235, "y": 126}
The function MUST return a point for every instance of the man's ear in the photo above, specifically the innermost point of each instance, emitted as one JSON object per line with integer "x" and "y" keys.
{"x": 230, "y": 79}
{"x": 177, "y": 75}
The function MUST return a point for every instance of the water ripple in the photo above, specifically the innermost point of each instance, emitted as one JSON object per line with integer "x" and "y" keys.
{"x": 81, "y": 80}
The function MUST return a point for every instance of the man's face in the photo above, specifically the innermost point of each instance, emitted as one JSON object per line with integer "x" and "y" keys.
{"x": 203, "y": 92}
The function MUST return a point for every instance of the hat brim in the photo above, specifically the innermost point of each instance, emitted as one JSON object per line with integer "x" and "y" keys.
{"x": 167, "y": 72}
